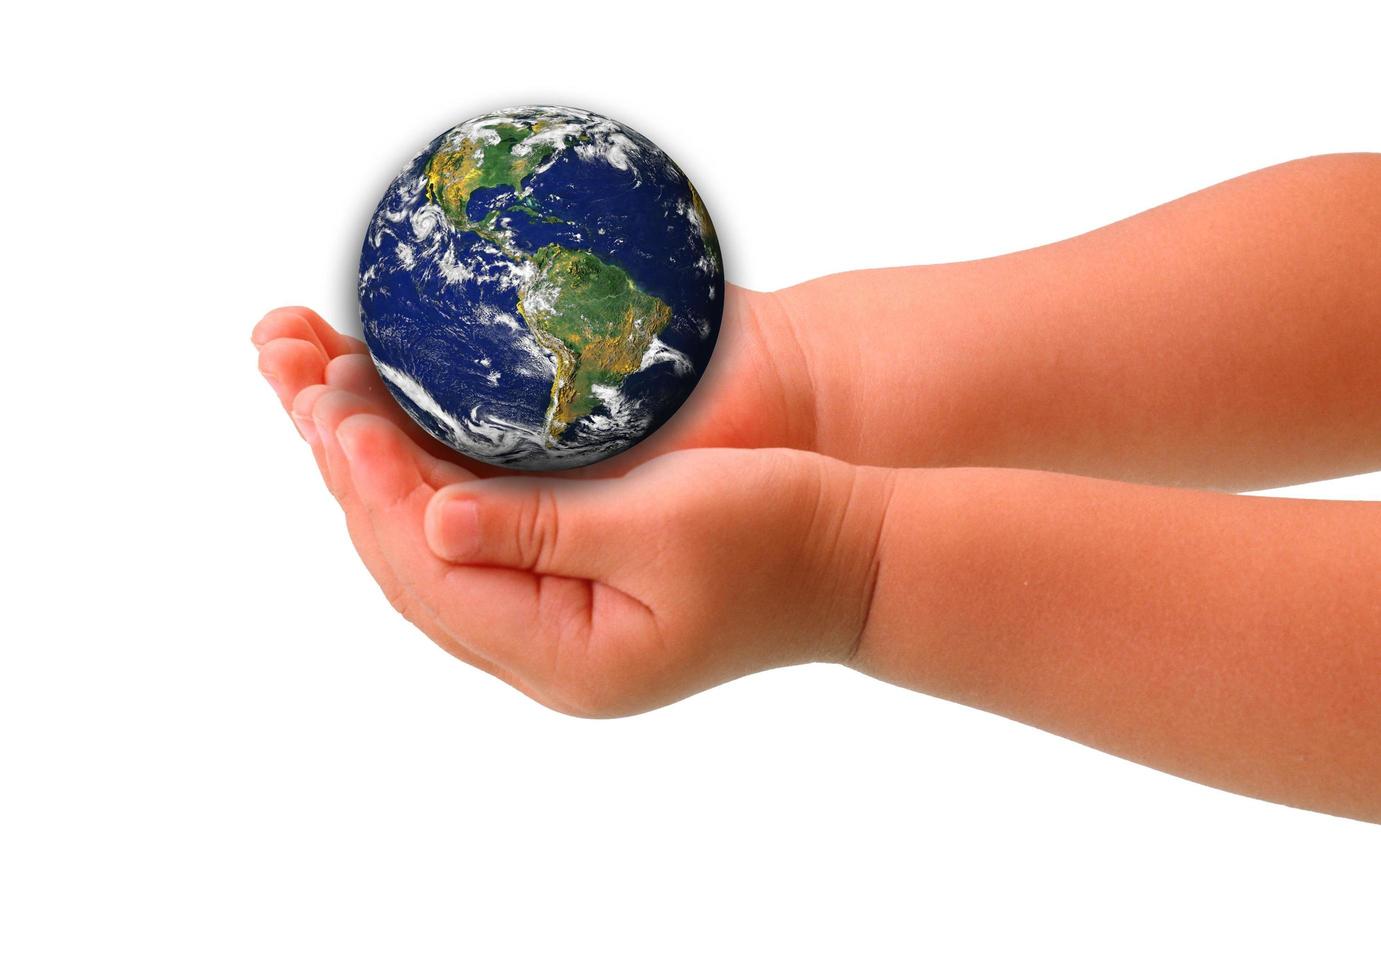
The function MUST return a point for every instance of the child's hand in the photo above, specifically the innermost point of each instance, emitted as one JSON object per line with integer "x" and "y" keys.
{"x": 756, "y": 391}
{"x": 613, "y": 596}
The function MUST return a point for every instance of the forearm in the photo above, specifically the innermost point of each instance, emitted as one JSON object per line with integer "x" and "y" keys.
{"x": 1232, "y": 640}
{"x": 1231, "y": 338}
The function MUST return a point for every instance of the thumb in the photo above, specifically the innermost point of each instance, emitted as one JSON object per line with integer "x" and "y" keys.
{"x": 575, "y": 528}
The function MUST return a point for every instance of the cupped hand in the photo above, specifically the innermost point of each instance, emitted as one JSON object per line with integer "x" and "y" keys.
{"x": 612, "y": 596}
{"x": 665, "y": 570}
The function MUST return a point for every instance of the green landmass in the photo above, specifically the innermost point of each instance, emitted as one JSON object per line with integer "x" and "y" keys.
{"x": 455, "y": 173}
{"x": 594, "y": 319}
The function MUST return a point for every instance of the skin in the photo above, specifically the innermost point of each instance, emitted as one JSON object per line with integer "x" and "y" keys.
{"x": 864, "y": 476}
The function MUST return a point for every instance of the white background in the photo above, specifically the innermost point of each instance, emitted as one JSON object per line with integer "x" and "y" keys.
{"x": 223, "y": 755}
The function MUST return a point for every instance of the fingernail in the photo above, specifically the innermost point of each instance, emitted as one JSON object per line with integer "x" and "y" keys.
{"x": 305, "y": 427}
{"x": 348, "y": 446}
{"x": 275, "y": 382}
{"x": 321, "y": 422}
{"x": 460, "y": 526}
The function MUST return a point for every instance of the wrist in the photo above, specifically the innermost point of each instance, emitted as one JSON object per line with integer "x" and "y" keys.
{"x": 927, "y": 527}
{"x": 849, "y": 539}
{"x": 814, "y": 359}
{"x": 888, "y": 388}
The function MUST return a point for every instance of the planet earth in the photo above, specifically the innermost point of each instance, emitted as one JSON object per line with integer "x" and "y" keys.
{"x": 541, "y": 287}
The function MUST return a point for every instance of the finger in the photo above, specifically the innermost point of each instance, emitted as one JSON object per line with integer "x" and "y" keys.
{"x": 329, "y": 408}
{"x": 290, "y": 364}
{"x": 301, "y": 323}
{"x": 286, "y": 326}
{"x": 334, "y": 405}
{"x": 336, "y": 343}
{"x": 356, "y": 373}
{"x": 517, "y": 620}
{"x": 551, "y": 527}
{"x": 301, "y": 411}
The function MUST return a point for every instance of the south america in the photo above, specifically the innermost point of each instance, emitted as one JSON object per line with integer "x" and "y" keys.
{"x": 595, "y": 322}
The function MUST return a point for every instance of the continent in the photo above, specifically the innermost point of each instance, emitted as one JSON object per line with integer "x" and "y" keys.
{"x": 596, "y": 322}
{"x": 454, "y": 173}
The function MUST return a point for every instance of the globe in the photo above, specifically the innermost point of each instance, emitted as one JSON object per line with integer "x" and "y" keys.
{"x": 541, "y": 287}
